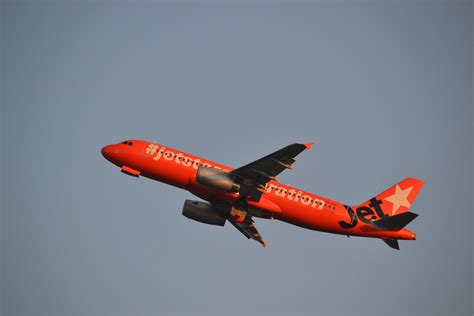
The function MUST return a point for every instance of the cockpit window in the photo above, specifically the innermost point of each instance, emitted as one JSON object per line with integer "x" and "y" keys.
{"x": 126, "y": 142}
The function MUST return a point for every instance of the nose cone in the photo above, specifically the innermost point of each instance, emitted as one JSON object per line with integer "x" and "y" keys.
{"x": 109, "y": 152}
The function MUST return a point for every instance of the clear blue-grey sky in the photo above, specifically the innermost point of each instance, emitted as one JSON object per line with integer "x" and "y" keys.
{"x": 384, "y": 88}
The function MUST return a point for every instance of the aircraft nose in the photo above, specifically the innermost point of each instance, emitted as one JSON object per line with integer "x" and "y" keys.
{"x": 108, "y": 152}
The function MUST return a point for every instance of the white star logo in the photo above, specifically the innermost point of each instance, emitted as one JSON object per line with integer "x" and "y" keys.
{"x": 399, "y": 198}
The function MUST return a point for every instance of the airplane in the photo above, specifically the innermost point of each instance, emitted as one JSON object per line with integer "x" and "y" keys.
{"x": 252, "y": 191}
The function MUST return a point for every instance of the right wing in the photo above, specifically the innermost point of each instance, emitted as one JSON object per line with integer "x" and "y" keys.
{"x": 253, "y": 176}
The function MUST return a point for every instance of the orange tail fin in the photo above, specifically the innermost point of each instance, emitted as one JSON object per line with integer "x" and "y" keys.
{"x": 397, "y": 199}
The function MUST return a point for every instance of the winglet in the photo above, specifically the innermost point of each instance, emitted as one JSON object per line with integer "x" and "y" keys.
{"x": 309, "y": 145}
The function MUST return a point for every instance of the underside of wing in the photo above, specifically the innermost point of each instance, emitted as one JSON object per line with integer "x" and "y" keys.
{"x": 253, "y": 176}
{"x": 248, "y": 229}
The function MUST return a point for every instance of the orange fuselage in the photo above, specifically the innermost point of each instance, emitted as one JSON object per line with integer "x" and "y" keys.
{"x": 279, "y": 201}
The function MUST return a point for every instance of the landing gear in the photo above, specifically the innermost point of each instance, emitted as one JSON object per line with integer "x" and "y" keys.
{"x": 238, "y": 211}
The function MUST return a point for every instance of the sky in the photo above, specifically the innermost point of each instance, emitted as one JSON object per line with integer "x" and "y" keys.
{"x": 384, "y": 89}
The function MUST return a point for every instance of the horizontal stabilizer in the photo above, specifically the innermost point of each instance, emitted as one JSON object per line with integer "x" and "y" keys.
{"x": 395, "y": 222}
{"x": 392, "y": 243}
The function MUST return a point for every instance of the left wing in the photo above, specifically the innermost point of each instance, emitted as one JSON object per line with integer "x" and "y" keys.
{"x": 248, "y": 229}
{"x": 253, "y": 176}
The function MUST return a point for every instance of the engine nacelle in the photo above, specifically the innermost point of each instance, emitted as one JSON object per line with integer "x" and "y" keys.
{"x": 203, "y": 212}
{"x": 216, "y": 179}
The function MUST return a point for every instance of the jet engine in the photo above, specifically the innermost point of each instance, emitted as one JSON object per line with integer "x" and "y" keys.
{"x": 203, "y": 212}
{"x": 216, "y": 179}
